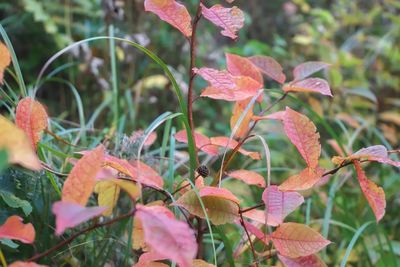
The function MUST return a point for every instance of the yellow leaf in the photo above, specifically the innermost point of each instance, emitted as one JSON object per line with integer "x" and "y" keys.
{"x": 108, "y": 192}
{"x": 18, "y": 146}
{"x": 5, "y": 60}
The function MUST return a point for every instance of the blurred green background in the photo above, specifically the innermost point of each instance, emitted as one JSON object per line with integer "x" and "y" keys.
{"x": 360, "y": 39}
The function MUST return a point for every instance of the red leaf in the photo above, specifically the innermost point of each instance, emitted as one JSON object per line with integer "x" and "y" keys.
{"x": 225, "y": 86}
{"x": 218, "y": 192}
{"x": 315, "y": 85}
{"x": 69, "y": 215}
{"x": 306, "y": 179}
{"x": 372, "y": 192}
{"x": 32, "y": 118}
{"x": 168, "y": 237}
{"x": 308, "y": 261}
{"x": 14, "y": 228}
{"x": 297, "y": 240}
{"x": 302, "y": 133}
{"x": 249, "y": 177}
{"x": 25, "y": 264}
{"x": 223, "y": 142}
{"x": 230, "y": 19}
{"x": 256, "y": 232}
{"x": 306, "y": 69}
{"x": 279, "y": 204}
{"x": 81, "y": 180}
{"x": 377, "y": 153}
{"x": 241, "y": 66}
{"x": 5, "y": 60}
{"x": 171, "y": 12}
{"x": 203, "y": 143}
{"x": 269, "y": 67}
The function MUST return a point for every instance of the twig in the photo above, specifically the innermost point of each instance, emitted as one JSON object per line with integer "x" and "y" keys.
{"x": 248, "y": 236}
{"x": 81, "y": 232}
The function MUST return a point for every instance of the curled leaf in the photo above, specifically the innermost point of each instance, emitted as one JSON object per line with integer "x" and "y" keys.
{"x": 14, "y": 228}
{"x": 303, "y": 134}
{"x": 238, "y": 110}
{"x": 220, "y": 210}
{"x": 32, "y": 118}
{"x": 231, "y": 20}
{"x": 203, "y": 143}
{"x": 171, "y": 12}
{"x": 209, "y": 191}
{"x": 372, "y": 192}
{"x": 81, "y": 180}
{"x": 297, "y": 240}
{"x": 167, "y": 236}
{"x": 279, "y": 204}
{"x": 69, "y": 215}
{"x": 249, "y": 177}
{"x": 314, "y": 85}
{"x": 19, "y": 149}
{"x": 306, "y": 69}
{"x": 223, "y": 142}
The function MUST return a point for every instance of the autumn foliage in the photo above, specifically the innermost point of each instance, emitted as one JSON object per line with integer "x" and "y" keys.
{"x": 169, "y": 225}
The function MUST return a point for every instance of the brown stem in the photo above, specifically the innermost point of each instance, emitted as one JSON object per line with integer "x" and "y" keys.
{"x": 248, "y": 237}
{"x": 81, "y": 232}
{"x": 192, "y": 75}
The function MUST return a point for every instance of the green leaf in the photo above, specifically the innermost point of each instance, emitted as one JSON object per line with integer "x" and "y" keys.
{"x": 3, "y": 159}
{"x": 9, "y": 243}
{"x": 15, "y": 202}
{"x": 219, "y": 210}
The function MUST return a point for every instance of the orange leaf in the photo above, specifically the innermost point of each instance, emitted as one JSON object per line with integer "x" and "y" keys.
{"x": 5, "y": 60}
{"x": 280, "y": 115}
{"x": 269, "y": 67}
{"x": 203, "y": 143}
{"x": 306, "y": 69}
{"x": 14, "y": 228}
{"x": 297, "y": 240}
{"x": 249, "y": 177}
{"x": 314, "y": 85}
{"x": 81, "y": 180}
{"x": 302, "y": 133}
{"x": 32, "y": 118}
{"x": 17, "y": 144}
{"x": 373, "y": 193}
{"x": 230, "y": 19}
{"x": 308, "y": 261}
{"x": 209, "y": 191}
{"x": 306, "y": 179}
{"x": 223, "y": 142}
{"x": 25, "y": 264}
{"x": 171, "y": 12}
{"x": 238, "y": 110}
{"x": 241, "y": 66}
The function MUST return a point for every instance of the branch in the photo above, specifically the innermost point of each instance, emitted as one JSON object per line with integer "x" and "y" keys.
{"x": 81, "y": 232}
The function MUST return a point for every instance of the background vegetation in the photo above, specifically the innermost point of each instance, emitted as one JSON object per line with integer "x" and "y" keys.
{"x": 104, "y": 90}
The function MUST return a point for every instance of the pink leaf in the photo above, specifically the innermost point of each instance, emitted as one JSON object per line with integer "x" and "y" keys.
{"x": 279, "y": 204}
{"x": 255, "y": 215}
{"x": 203, "y": 143}
{"x": 314, "y": 85}
{"x": 373, "y": 193}
{"x": 255, "y": 231}
{"x": 69, "y": 214}
{"x": 168, "y": 237}
{"x": 249, "y": 177}
{"x": 14, "y": 228}
{"x": 25, "y": 264}
{"x": 230, "y": 19}
{"x": 171, "y": 12}
{"x": 218, "y": 192}
{"x": 306, "y": 179}
{"x": 302, "y": 133}
{"x": 307, "y": 261}
{"x": 147, "y": 258}
{"x": 297, "y": 240}
{"x": 241, "y": 66}
{"x": 306, "y": 69}
{"x": 269, "y": 67}
{"x": 223, "y": 142}
{"x": 280, "y": 115}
